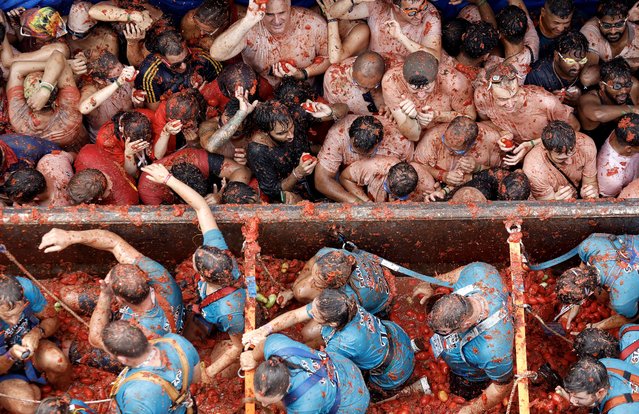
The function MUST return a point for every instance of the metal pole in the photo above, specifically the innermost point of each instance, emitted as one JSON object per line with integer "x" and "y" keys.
{"x": 251, "y": 251}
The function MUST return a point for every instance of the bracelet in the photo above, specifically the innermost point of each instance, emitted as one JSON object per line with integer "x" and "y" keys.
{"x": 295, "y": 175}
{"x": 481, "y": 3}
{"x": 46, "y": 85}
{"x": 446, "y": 190}
{"x": 128, "y": 16}
{"x": 331, "y": 20}
{"x": 117, "y": 82}
{"x": 305, "y": 74}
{"x": 167, "y": 178}
{"x": 532, "y": 143}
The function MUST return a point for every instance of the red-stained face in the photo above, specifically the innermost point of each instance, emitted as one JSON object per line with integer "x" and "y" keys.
{"x": 278, "y": 15}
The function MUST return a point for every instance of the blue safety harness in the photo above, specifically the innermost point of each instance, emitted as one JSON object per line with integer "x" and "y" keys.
{"x": 326, "y": 370}
{"x": 12, "y": 336}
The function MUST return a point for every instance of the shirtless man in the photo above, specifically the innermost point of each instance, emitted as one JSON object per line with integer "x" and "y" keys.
{"x": 499, "y": 97}
{"x": 352, "y": 139}
{"x": 277, "y": 40}
{"x": 357, "y": 83}
{"x": 422, "y": 93}
{"x": 84, "y": 36}
{"x": 398, "y": 28}
{"x": 617, "y": 95}
{"x": 380, "y": 179}
{"x": 564, "y": 166}
{"x": 453, "y": 152}
{"x": 31, "y": 92}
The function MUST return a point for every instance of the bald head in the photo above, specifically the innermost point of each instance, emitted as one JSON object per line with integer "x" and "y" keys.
{"x": 368, "y": 70}
{"x": 420, "y": 68}
{"x": 468, "y": 195}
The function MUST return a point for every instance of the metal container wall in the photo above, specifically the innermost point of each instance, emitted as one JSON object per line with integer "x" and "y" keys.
{"x": 429, "y": 237}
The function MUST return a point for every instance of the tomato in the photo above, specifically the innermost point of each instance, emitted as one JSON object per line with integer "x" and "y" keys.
{"x": 307, "y": 157}
{"x": 289, "y": 61}
{"x": 307, "y": 107}
{"x": 508, "y": 143}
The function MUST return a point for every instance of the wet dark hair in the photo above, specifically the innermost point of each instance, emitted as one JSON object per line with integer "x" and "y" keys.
{"x": 449, "y": 312}
{"x": 101, "y": 65}
{"x": 627, "y": 130}
{"x": 480, "y": 38}
{"x": 292, "y": 90}
{"x": 214, "y": 13}
{"x": 53, "y": 405}
{"x": 614, "y": 68}
{"x": 560, "y": 8}
{"x": 402, "y": 179}
{"x": 573, "y": 283}
{"x": 121, "y": 338}
{"x": 612, "y": 8}
{"x": 237, "y": 192}
{"x": 234, "y": 75}
{"x": 10, "y": 290}
{"x": 267, "y": 115}
{"x": 334, "y": 269}
{"x": 190, "y": 175}
{"x": 514, "y": 186}
{"x": 366, "y": 132}
{"x": 129, "y": 282}
{"x": 452, "y": 33}
{"x": 465, "y": 127}
{"x": 87, "y": 186}
{"x": 586, "y": 375}
{"x": 335, "y": 307}
{"x": 596, "y": 343}
{"x": 186, "y": 105}
{"x": 420, "y": 68}
{"x": 558, "y": 136}
{"x": 214, "y": 265}
{"x": 23, "y": 185}
{"x": 136, "y": 126}
{"x": 272, "y": 377}
{"x": 572, "y": 41}
{"x": 169, "y": 42}
{"x": 512, "y": 23}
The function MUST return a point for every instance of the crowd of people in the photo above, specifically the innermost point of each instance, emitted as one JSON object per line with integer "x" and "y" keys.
{"x": 131, "y": 102}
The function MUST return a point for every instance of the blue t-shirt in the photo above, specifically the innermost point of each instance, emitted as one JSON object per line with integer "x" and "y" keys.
{"x": 627, "y": 337}
{"x": 598, "y": 250}
{"x": 619, "y": 386}
{"x": 155, "y": 320}
{"x": 145, "y": 397}
{"x": 28, "y": 149}
{"x": 27, "y": 321}
{"x": 319, "y": 399}
{"x": 79, "y": 407}
{"x": 227, "y": 313}
{"x": 489, "y": 356}
{"x": 367, "y": 284}
{"x": 365, "y": 341}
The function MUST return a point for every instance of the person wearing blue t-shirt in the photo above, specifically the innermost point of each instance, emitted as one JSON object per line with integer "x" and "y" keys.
{"x": 607, "y": 385}
{"x": 159, "y": 372}
{"x": 474, "y": 334}
{"x": 609, "y": 262}
{"x": 145, "y": 290}
{"x": 302, "y": 380}
{"x": 63, "y": 405}
{"x": 25, "y": 352}
{"x": 220, "y": 288}
{"x": 380, "y": 347}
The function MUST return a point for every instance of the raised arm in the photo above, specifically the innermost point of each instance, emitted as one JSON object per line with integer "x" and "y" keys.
{"x": 57, "y": 240}
{"x": 107, "y": 12}
{"x": 98, "y": 97}
{"x": 226, "y": 132}
{"x": 233, "y": 40}
{"x": 160, "y": 175}
{"x": 350, "y": 184}
{"x": 284, "y": 321}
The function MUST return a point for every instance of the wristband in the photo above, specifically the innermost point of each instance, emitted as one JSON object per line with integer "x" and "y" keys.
{"x": 128, "y": 16}
{"x": 305, "y": 74}
{"x": 46, "y": 85}
{"x": 532, "y": 143}
{"x": 167, "y": 178}
{"x": 295, "y": 175}
{"x": 117, "y": 82}
{"x": 446, "y": 190}
{"x": 332, "y": 20}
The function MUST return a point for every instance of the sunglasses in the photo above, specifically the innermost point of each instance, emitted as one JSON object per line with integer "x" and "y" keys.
{"x": 77, "y": 35}
{"x": 412, "y": 11}
{"x": 368, "y": 98}
{"x": 30, "y": 33}
{"x": 619, "y": 86}
{"x": 571, "y": 61}
{"x": 418, "y": 87}
{"x": 616, "y": 25}
{"x": 175, "y": 66}
{"x": 388, "y": 191}
{"x": 454, "y": 151}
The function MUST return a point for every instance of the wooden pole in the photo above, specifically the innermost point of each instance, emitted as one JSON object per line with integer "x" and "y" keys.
{"x": 250, "y": 232}
{"x": 517, "y": 275}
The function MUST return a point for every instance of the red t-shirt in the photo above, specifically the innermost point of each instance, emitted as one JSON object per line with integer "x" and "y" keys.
{"x": 123, "y": 192}
{"x": 156, "y": 194}
{"x": 110, "y": 144}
